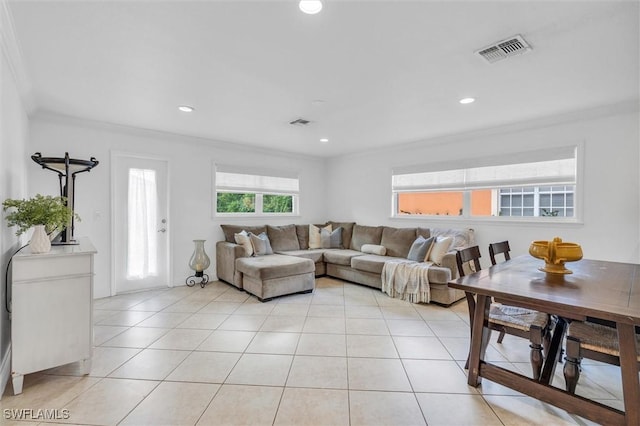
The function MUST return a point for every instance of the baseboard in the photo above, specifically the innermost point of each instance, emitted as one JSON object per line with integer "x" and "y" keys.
{"x": 5, "y": 369}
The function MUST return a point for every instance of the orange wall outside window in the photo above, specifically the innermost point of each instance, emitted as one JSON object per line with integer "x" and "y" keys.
{"x": 444, "y": 203}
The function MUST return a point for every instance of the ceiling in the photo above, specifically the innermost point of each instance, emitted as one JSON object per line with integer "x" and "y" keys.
{"x": 388, "y": 72}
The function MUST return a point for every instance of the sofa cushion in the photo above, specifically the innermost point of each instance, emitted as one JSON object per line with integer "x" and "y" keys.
{"x": 341, "y": 257}
{"x": 231, "y": 230}
{"x": 302, "y": 232}
{"x": 347, "y": 231}
{"x": 439, "y": 275}
{"x": 317, "y": 255}
{"x": 397, "y": 241}
{"x": 283, "y": 237}
{"x": 372, "y": 262}
{"x": 365, "y": 235}
{"x": 424, "y": 232}
{"x": 276, "y": 266}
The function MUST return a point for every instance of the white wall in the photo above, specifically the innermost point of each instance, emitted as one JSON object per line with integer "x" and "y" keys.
{"x": 191, "y": 192}
{"x": 360, "y": 185}
{"x": 13, "y": 139}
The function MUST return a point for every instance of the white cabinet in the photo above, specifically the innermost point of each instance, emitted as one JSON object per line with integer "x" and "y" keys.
{"x": 51, "y": 309}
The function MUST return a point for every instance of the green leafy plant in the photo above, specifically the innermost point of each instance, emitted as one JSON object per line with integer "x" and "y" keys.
{"x": 52, "y": 212}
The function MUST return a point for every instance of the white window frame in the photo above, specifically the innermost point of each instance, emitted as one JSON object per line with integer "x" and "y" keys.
{"x": 286, "y": 182}
{"x": 453, "y": 175}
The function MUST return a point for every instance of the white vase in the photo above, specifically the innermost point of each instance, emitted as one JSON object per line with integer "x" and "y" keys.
{"x": 40, "y": 242}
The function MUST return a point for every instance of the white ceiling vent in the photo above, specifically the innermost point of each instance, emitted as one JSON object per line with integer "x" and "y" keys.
{"x": 504, "y": 49}
{"x": 299, "y": 122}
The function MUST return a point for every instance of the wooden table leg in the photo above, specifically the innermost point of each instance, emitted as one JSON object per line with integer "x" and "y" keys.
{"x": 555, "y": 351}
{"x": 480, "y": 335}
{"x": 629, "y": 371}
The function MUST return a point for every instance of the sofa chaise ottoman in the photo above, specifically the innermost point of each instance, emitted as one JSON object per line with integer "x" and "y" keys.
{"x": 267, "y": 277}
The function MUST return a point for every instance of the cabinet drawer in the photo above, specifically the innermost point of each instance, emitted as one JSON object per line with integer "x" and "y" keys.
{"x": 48, "y": 267}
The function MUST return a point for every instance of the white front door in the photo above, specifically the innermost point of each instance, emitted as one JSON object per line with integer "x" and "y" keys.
{"x": 141, "y": 223}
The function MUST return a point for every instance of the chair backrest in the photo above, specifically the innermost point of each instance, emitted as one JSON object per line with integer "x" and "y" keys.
{"x": 497, "y": 248}
{"x": 469, "y": 254}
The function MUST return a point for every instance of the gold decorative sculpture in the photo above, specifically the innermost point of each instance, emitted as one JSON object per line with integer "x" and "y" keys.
{"x": 555, "y": 253}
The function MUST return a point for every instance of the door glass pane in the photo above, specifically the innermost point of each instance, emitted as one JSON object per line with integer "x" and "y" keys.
{"x": 142, "y": 219}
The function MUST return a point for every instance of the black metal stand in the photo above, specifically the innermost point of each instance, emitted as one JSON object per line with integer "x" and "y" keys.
{"x": 193, "y": 279}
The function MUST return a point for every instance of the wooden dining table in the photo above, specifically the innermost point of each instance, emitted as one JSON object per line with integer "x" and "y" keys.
{"x": 608, "y": 291}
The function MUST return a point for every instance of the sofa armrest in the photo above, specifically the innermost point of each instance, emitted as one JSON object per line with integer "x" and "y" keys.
{"x": 449, "y": 262}
{"x": 226, "y": 255}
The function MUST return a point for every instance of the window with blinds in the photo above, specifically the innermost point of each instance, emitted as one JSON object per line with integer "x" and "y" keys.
{"x": 534, "y": 184}
{"x": 253, "y": 191}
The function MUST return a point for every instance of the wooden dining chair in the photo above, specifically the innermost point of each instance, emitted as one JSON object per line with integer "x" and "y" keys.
{"x": 594, "y": 341}
{"x": 499, "y": 248}
{"x": 521, "y": 322}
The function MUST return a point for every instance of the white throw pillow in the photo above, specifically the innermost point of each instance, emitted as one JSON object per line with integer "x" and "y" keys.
{"x": 318, "y": 235}
{"x": 439, "y": 249}
{"x": 243, "y": 239}
{"x": 374, "y": 249}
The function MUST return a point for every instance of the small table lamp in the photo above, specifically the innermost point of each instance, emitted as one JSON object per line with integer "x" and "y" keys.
{"x": 199, "y": 262}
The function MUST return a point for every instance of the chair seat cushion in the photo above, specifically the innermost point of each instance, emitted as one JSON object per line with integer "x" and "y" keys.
{"x": 598, "y": 338}
{"x": 515, "y": 317}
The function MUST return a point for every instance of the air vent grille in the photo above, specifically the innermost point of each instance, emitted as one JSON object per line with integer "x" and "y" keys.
{"x": 299, "y": 122}
{"x": 504, "y": 49}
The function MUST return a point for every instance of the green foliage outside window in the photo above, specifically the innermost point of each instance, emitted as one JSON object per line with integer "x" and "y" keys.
{"x": 277, "y": 203}
{"x": 231, "y": 202}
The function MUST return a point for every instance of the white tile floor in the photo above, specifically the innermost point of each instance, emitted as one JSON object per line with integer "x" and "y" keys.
{"x": 344, "y": 355}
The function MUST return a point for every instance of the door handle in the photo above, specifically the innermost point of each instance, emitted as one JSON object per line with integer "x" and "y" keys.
{"x": 162, "y": 230}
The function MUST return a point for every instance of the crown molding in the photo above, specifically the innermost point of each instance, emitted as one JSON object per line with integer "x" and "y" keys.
{"x": 54, "y": 117}
{"x": 11, "y": 50}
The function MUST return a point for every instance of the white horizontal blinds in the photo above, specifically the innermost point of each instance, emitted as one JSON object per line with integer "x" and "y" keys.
{"x": 236, "y": 179}
{"x": 559, "y": 168}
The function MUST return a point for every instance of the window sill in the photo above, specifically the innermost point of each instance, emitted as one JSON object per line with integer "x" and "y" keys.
{"x": 253, "y": 215}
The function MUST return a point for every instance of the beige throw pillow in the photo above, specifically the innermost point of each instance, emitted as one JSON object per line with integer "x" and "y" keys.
{"x": 242, "y": 238}
{"x": 318, "y": 235}
{"x": 439, "y": 249}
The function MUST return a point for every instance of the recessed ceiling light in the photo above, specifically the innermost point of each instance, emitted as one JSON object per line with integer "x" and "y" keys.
{"x": 324, "y": 140}
{"x": 467, "y": 100}
{"x": 310, "y": 7}
{"x": 186, "y": 108}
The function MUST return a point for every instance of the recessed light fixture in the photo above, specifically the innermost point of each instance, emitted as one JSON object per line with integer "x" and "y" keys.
{"x": 467, "y": 100}
{"x": 310, "y": 7}
{"x": 186, "y": 108}
{"x": 324, "y": 140}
